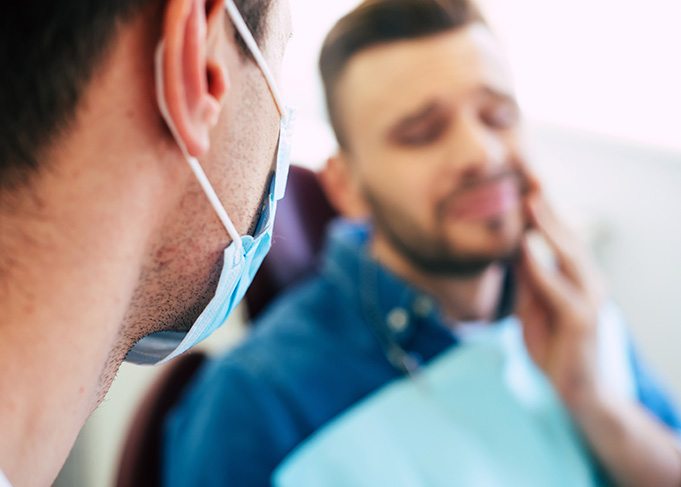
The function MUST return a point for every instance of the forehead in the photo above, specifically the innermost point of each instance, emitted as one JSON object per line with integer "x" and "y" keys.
{"x": 390, "y": 80}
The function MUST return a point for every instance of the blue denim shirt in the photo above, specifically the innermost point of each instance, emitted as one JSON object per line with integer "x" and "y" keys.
{"x": 318, "y": 350}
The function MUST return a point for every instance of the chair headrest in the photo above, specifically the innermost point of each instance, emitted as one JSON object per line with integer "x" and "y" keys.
{"x": 299, "y": 230}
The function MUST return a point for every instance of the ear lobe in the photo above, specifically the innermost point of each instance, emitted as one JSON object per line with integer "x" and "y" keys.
{"x": 194, "y": 83}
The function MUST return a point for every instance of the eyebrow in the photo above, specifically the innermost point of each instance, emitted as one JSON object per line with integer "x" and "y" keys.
{"x": 418, "y": 115}
{"x": 435, "y": 106}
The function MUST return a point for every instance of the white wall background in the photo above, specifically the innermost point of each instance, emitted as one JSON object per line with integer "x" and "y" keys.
{"x": 599, "y": 81}
{"x": 608, "y": 66}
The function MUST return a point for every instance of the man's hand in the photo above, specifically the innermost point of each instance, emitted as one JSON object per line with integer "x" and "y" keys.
{"x": 559, "y": 307}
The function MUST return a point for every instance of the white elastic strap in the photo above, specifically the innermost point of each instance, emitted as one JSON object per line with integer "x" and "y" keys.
{"x": 246, "y": 35}
{"x": 191, "y": 160}
{"x": 214, "y": 200}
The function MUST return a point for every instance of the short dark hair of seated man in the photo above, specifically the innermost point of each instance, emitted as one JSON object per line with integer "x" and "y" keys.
{"x": 432, "y": 178}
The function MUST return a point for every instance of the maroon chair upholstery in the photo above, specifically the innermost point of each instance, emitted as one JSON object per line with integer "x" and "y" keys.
{"x": 298, "y": 236}
{"x": 140, "y": 463}
{"x": 302, "y": 217}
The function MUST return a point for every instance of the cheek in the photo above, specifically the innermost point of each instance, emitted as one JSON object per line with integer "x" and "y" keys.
{"x": 408, "y": 179}
{"x": 429, "y": 177}
{"x": 242, "y": 155}
{"x": 193, "y": 235}
{"x": 181, "y": 267}
{"x": 516, "y": 145}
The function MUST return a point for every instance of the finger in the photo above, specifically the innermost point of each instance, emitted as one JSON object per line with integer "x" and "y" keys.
{"x": 546, "y": 220}
{"x": 530, "y": 302}
{"x": 572, "y": 256}
{"x": 562, "y": 242}
{"x": 524, "y": 300}
{"x": 529, "y": 185}
{"x": 549, "y": 287}
{"x": 535, "y": 324}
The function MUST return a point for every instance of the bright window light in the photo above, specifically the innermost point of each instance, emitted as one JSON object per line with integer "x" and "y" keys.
{"x": 609, "y": 67}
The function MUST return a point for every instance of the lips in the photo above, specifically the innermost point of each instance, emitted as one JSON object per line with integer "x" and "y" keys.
{"x": 486, "y": 200}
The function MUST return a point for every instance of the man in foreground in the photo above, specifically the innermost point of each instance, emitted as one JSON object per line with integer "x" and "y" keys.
{"x": 138, "y": 146}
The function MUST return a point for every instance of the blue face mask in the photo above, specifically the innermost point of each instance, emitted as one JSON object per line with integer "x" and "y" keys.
{"x": 243, "y": 256}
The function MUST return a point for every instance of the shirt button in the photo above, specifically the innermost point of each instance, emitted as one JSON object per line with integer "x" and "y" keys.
{"x": 398, "y": 319}
{"x": 423, "y": 306}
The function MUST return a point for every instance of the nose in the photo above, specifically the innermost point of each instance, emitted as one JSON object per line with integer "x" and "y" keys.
{"x": 475, "y": 149}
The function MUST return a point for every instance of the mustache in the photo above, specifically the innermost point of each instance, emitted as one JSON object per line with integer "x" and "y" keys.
{"x": 472, "y": 183}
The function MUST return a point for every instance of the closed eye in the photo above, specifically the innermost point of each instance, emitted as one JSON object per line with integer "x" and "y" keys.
{"x": 423, "y": 134}
{"x": 422, "y": 128}
{"x": 501, "y": 116}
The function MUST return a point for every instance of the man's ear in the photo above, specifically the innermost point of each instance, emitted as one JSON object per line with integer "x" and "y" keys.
{"x": 194, "y": 69}
{"x": 343, "y": 188}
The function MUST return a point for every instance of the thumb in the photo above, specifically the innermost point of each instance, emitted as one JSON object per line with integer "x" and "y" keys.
{"x": 535, "y": 322}
{"x": 548, "y": 286}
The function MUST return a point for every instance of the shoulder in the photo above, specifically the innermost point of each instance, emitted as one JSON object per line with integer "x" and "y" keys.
{"x": 646, "y": 387}
{"x": 244, "y": 383}
{"x": 652, "y": 392}
{"x": 231, "y": 426}
{"x": 241, "y": 413}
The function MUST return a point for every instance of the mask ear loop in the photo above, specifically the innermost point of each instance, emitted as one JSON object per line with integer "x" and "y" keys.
{"x": 248, "y": 39}
{"x": 191, "y": 160}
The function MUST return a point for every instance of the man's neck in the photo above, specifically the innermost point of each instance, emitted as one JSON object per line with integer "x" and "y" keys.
{"x": 75, "y": 262}
{"x": 72, "y": 247}
{"x": 461, "y": 299}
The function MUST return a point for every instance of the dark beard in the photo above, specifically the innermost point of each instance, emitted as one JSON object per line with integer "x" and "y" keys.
{"x": 444, "y": 262}
{"x": 431, "y": 256}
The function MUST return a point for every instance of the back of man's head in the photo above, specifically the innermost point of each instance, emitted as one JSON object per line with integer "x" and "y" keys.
{"x": 49, "y": 52}
{"x": 137, "y": 146}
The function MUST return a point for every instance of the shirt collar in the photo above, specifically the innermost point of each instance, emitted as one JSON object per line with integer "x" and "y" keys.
{"x": 396, "y": 306}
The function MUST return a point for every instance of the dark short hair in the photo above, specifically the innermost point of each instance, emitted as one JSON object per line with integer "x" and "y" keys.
{"x": 377, "y": 22}
{"x": 49, "y": 50}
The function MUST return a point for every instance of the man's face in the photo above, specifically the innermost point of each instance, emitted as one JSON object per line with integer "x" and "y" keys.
{"x": 433, "y": 145}
{"x": 181, "y": 273}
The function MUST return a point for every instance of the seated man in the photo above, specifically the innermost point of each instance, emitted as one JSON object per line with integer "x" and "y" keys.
{"x": 432, "y": 347}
